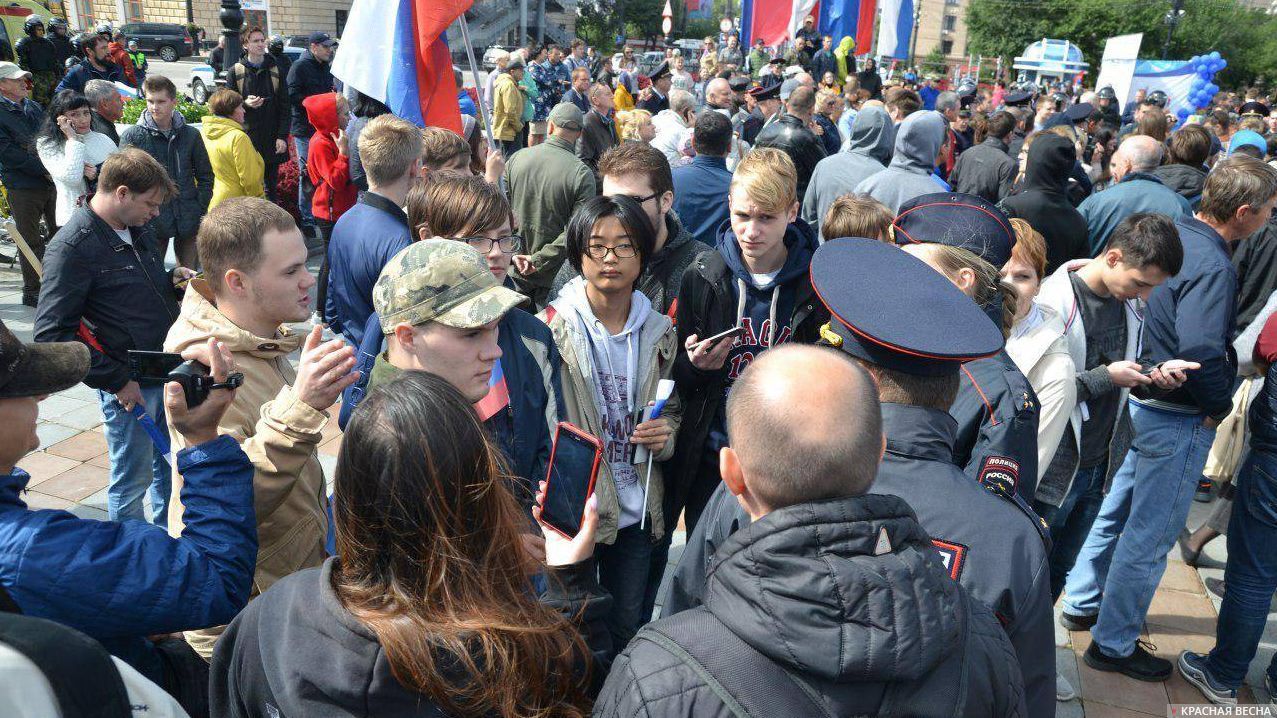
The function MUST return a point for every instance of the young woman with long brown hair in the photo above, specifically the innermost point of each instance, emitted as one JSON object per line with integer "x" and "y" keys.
{"x": 427, "y": 608}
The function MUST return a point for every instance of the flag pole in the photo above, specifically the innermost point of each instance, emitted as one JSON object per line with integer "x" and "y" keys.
{"x": 474, "y": 70}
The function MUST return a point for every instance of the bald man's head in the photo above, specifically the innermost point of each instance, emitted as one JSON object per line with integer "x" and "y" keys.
{"x": 1138, "y": 153}
{"x": 718, "y": 93}
{"x": 806, "y": 425}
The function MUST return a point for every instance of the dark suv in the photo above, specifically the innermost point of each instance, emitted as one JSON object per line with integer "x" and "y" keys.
{"x": 169, "y": 41}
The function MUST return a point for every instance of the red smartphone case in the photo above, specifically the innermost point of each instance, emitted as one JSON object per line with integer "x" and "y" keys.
{"x": 594, "y": 469}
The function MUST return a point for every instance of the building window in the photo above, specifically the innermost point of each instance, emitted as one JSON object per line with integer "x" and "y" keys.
{"x": 84, "y": 14}
{"x": 953, "y": 3}
{"x": 133, "y": 11}
{"x": 341, "y": 21}
{"x": 950, "y": 23}
{"x": 946, "y": 47}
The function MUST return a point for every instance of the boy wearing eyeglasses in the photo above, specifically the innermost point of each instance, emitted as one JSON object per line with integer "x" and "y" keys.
{"x": 616, "y": 348}
{"x": 376, "y": 228}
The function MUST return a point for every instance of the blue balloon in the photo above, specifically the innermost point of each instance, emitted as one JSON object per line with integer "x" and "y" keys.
{"x": 1198, "y": 83}
{"x": 1212, "y": 89}
{"x": 1214, "y": 55}
{"x": 1182, "y": 113}
{"x": 1223, "y": 64}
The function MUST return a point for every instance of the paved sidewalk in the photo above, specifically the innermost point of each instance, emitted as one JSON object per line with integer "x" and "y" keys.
{"x": 70, "y": 472}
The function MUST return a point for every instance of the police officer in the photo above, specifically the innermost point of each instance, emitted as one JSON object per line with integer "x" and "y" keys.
{"x": 62, "y": 47}
{"x": 915, "y": 346}
{"x": 38, "y": 56}
{"x": 276, "y": 50}
{"x": 996, "y": 409}
{"x": 1107, "y": 99}
{"x": 1017, "y": 103}
{"x": 767, "y": 108}
{"x": 659, "y": 97}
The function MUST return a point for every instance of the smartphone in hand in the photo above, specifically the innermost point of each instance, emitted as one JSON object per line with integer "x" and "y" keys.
{"x": 574, "y": 467}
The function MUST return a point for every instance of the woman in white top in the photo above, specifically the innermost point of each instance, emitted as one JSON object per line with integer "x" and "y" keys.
{"x": 71, "y": 152}
{"x": 1037, "y": 343}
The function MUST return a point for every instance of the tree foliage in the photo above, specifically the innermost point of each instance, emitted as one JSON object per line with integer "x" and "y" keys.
{"x": 1247, "y": 38}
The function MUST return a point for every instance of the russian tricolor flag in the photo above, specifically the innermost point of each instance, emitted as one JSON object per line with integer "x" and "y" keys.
{"x": 778, "y": 20}
{"x": 397, "y": 52}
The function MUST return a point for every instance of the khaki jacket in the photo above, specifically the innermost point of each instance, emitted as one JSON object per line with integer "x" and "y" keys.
{"x": 580, "y": 408}
{"x": 279, "y": 433}
{"x": 507, "y": 108}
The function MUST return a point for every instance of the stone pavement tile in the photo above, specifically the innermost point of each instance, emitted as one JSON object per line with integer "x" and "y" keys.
{"x": 102, "y": 460}
{"x": 1066, "y": 665}
{"x": 81, "y": 447}
{"x": 76, "y": 484}
{"x": 1095, "y": 709}
{"x": 88, "y": 512}
{"x": 37, "y": 500}
{"x": 1180, "y": 576}
{"x": 97, "y": 500}
{"x": 57, "y": 405}
{"x": 44, "y": 466}
{"x": 85, "y": 417}
{"x": 331, "y": 429}
{"x": 51, "y": 433}
{"x": 1191, "y": 613}
{"x": 1116, "y": 690}
{"x": 83, "y": 392}
{"x": 330, "y": 447}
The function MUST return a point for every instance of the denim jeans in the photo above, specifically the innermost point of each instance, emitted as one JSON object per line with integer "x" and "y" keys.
{"x": 1124, "y": 556}
{"x": 136, "y": 465}
{"x": 305, "y": 190}
{"x": 1251, "y": 573}
{"x": 623, "y": 569}
{"x": 1070, "y": 522}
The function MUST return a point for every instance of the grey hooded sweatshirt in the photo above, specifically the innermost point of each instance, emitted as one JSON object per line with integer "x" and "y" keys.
{"x": 918, "y": 141}
{"x": 868, "y": 152}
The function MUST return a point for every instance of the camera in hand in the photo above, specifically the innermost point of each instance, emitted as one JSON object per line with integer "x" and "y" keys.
{"x": 195, "y": 377}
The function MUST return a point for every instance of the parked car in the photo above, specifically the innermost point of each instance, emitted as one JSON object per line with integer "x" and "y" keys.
{"x": 12, "y": 16}
{"x": 204, "y": 83}
{"x": 649, "y": 60}
{"x": 168, "y": 40}
{"x": 490, "y": 56}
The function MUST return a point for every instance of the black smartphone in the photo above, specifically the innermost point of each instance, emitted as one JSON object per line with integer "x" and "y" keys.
{"x": 574, "y": 467}
{"x": 710, "y": 341}
{"x": 152, "y": 366}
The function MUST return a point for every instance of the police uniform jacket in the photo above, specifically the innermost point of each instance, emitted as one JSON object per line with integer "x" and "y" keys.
{"x": 997, "y": 415}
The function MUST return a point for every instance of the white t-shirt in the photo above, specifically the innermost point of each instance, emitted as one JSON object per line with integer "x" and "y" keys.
{"x": 618, "y": 427}
{"x": 125, "y": 235}
{"x": 762, "y": 280}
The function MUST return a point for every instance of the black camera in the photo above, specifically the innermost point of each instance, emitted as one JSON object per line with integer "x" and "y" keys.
{"x": 194, "y": 376}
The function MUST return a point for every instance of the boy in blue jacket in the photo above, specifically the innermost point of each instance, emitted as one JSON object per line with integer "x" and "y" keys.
{"x": 120, "y": 582}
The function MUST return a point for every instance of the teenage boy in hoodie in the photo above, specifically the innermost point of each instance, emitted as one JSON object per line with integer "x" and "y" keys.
{"x": 254, "y": 260}
{"x": 867, "y": 153}
{"x": 615, "y": 351}
{"x": 329, "y": 171}
{"x": 639, "y": 171}
{"x": 919, "y": 145}
{"x": 163, "y": 133}
{"x": 756, "y": 281}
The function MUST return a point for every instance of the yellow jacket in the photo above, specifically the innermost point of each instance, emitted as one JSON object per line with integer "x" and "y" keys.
{"x": 507, "y": 108}
{"x": 238, "y": 169}
{"x": 622, "y": 99}
{"x": 279, "y": 432}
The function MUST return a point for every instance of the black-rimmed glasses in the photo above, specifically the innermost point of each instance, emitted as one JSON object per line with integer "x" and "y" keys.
{"x": 509, "y": 244}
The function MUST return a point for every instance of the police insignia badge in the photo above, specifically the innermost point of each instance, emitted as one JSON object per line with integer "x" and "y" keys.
{"x": 952, "y": 555}
{"x": 1000, "y": 475}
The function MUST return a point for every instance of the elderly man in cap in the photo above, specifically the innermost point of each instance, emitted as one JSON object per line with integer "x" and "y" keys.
{"x": 767, "y": 107}
{"x": 658, "y": 96}
{"x": 31, "y": 193}
{"x": 122, "y": 582}
{"x": 546, "y": 184}
{"x": 507, "y": 107}
{"x": 915, "y": 345}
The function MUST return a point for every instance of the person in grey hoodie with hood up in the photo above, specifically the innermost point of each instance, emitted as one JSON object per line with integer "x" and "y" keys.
{"x": 868, "y": 152}
{"x": 919, "y": 140}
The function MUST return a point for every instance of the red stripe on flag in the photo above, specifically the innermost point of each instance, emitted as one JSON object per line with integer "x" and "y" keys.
{"x": 865, "y": 27}
{"x": 436, "y": 85}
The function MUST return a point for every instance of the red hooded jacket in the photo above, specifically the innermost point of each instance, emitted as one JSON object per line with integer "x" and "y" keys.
{"x": 329, "y": 170}
{"x": 120, "y": 56}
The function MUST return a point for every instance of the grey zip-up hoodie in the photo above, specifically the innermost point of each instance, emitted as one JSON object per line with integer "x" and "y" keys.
{"x": 918, "y": 141}
{"x": 868, "y": 152}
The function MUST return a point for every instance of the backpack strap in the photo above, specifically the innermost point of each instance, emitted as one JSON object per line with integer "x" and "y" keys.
{"x": 733, "y": 669}
{"x": 81, "y": 673}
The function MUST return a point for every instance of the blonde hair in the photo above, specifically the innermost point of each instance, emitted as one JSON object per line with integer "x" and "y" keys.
{"x": 629, "y": 122}
{"x": 388, "y": 147}
{"x": 1029, "y": 247}
{"x": 988, "y": 282}
{"x": 769, "y": 179}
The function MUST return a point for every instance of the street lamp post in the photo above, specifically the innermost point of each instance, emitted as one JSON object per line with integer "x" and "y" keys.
{"x": 913, "y": 42}
{"x": 232, "y": 18}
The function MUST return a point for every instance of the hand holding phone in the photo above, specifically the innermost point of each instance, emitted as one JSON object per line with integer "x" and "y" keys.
{"x": 709, "y": 354}
{"x": 560, "y": 550}
{"x": 575, "y": 457}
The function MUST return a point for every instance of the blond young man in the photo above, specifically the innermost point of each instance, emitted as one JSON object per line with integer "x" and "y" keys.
{"x": 757, "y": 282}
{"x": 376, "y": 228}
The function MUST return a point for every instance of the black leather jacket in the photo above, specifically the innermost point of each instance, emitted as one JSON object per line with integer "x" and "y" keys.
{"x": 790, "y": 135}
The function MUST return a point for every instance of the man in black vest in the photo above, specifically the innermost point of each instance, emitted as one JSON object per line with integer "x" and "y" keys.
{"x": 31, "y": 194}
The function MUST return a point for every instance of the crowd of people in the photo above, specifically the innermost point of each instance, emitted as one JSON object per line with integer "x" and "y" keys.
{"x": 941, "y": 359}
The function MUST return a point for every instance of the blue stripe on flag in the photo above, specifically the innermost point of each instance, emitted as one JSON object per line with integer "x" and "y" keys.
{"x": 403, "y": 97}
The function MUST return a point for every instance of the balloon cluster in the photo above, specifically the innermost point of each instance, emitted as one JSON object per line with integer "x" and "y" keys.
{"x": 1203, "y": 89}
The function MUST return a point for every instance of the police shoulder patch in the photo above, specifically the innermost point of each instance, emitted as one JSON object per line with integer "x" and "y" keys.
{"x": 953, "y": 555}
{"x": 999, "y": 474}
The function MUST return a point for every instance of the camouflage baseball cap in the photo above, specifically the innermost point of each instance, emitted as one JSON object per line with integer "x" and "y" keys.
{"x": 440, "y": 280}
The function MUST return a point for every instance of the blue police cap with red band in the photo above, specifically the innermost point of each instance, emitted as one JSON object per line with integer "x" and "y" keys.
{"x": 891, "y": 309}
{"x": 959, "y": 220}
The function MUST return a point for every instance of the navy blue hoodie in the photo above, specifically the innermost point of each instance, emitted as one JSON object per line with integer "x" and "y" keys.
{"x": 763, "y": 310}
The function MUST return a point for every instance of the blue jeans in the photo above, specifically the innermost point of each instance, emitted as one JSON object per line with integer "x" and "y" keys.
{"x": 1251, "y": 573}
{"x": 136, "y": 465}
{"x": 1070, "y": 522}
{"x": 1124, "y": 556}
{"x": 623, "y": 569}
{"x": 305, "y": 190}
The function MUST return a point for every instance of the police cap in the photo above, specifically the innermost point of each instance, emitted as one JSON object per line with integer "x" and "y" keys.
{"x": 959, "y": 220}
{"x": 768, "y": 90}
{"x": 738, "y": 84}
{"x": 890, "y": 309}
{"x": 1079, "y": 112}
{"x": 1254, "y": 109}
{"x": 661, "y": 70}
{"x": 1017, "y": 98}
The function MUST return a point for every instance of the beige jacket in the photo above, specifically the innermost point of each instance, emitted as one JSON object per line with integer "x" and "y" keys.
{"x": 580, "y": 408}
{"x": 1042, "y": 354}
{"x": 279, "y": 433}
